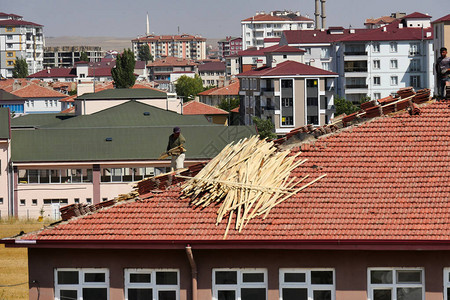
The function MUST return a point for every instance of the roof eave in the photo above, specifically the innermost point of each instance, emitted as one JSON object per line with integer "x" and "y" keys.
{"x": 324, "y": 244}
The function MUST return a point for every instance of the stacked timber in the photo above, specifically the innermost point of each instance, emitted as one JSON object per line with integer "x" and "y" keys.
{"x": 246, "y": 180}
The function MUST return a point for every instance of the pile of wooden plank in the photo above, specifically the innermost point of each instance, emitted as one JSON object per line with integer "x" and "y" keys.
{"x": 246, "y": 180}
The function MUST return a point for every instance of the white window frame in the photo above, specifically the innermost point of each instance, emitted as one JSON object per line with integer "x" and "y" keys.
{"x": 377, "y": 95}
{"x": 376, "y": 47}
{"x": 152, "y": 284}
{"x": 394, "y": 80}
{"x": 394, "y": 285}
{"x": 376, "y": 64}
{"x": 446, "y": 282}
{"x": 393, "y": 47}
{"x": 81, "y": 284}
{"x": 394, "y": 64}
{"x": 307, "y": 284}
{"x": 240, "y": 284}
{"x": 379, "y": 80}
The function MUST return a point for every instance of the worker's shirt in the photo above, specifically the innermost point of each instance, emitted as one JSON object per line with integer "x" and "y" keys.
{"x": 175, "y": 141}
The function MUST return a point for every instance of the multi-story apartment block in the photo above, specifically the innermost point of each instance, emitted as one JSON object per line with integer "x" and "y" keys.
{"x": 383, "y": 21}
{"x": 162, "y": 69}
{"x": 441, "y": 28}
{"x": 379, "y": 62}
{"x": 66, "y": 56}
{"x": 229, "y": 46}
{"x": 20, "y": 39}
{"x": 212, "y": 73}
{"x": 255, "y": 29}
{"x": 286, "y": 91}
{"x": 182, "y": 46}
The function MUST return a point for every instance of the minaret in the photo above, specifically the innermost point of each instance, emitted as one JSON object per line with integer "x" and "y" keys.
{"x": 316, "y": 15}
{"x": 323, "y": 15}
{"x": 148, "y": 27}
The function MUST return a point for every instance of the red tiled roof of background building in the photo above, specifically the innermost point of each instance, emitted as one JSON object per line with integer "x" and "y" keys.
{"x": 417, "y": 15}
{"x": 2, "y": 14}
{"x": 317, "y": 36}
{"x": 171, "y": 61}
{"x": 288, "y": 68}
{"x": 282, "y": 49}
{"x": 235, "y": 110}
{"x": 169, "y": 37}
{"x": 100, "y": 72}
{"x": 18, "y": 23}
{"x": 381, "y": 20}
{"x": 33, "y": 90}
{"x": 69, "y": 99}
{"x": 54, "y": 72}
{"x": 443, "y": 19}
{"x": 266, "y": 17}
{"x": 392, "y": 32}
{"x": 387, "y": 179}
{"x": 232, "y": 90}
{"x": 199, "y": 108}
{"x": 212, "y": 66}
{"x": 272, "y": 40}
{"x": 70, "y": 110}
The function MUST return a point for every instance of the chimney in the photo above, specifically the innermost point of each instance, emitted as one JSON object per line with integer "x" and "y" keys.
{"x": 316, "y": 15}
{"x": 324, "y": 23}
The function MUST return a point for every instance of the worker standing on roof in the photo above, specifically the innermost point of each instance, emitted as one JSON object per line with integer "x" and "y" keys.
{"x": 175, "y": 148}
{"x": 442, "y": 72}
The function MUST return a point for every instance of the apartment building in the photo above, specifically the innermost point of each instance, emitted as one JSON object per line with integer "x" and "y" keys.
{"x": 286, "y": 91}
{"x": 183, "y": 46}
{"x": 378, "y": 62}
{"x": 260, "y": 26}
{"x": 66, "y": 56}
{"x": 20, "y": 39}
{"x": 166, "y": 69}
{"x": 212, "y": 73}
{"x": 229, "y": 46}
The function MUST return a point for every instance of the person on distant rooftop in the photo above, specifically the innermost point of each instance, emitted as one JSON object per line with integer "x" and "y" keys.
{"x": 176, "y": 139}
{"x": 442, "y": 72}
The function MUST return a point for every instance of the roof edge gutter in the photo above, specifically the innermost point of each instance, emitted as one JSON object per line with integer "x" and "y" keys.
{"x": 236, "y": 244}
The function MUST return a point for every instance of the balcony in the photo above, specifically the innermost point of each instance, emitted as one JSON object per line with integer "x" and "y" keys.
{"x": 355, "y": 53}
{"x": 355, "y": 69}
{"x": 356, "y": 86}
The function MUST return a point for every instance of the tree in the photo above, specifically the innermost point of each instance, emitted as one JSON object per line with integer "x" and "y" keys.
{"x": 188, "y": 87}
{"x": 20, "y": 68}
{"x": 229, "y": 103}
{"x": 84, "y": 57}
{"x": 123, "y": 72}
{"x": 265, "y": 128}
{"x": 144, "y": 53}
{"x": 344, "y": 106}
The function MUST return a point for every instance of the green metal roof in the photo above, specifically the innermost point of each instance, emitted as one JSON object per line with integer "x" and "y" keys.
{"x": 39, "y": 120}
{"x": 124, "y": 94}
{"x": 72, "y": 145}
{"x": 4, "y": 123}
{"x": 131, "y": 114}
{"x": 5, "y": 96}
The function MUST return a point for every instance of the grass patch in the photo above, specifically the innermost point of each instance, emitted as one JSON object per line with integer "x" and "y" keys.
{"x": 14, "y": 261}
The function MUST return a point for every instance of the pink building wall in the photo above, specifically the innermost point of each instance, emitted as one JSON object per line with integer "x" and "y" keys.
{"x": 5, "y": 153}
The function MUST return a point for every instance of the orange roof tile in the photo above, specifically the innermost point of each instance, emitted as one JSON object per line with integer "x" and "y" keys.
{"x": 387, "y": 180}
{"x": 199, "y": 108}
{"x": 230, "y": 90}
{"x": 33, "y": 90}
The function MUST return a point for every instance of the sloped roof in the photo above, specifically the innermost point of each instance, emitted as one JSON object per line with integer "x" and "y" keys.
{"x": 282, "y": 49}
{"x": 417, "y": 15}
{"x": 267, "y": 17}
{"x": 212, "y": 66}
{"x": 135, "y": 93}
{"x": 5, "y": 96}
{"x": 391, "y": 32}
{"x": 127, "y": 143}
{"x": 199, "y": 108}
{"x": 317, "y": 36}
{"x": 33, "y": 90}
{"x": 288, "y": 68}
{"x": 38, "y": 120}
{"x": 381, "y": 20}
{"x": 17, "y": 23}
{"x": 443, "y": 19}
{"x": 182, "y": 37}
{"x": 232, "y": 89}
{"x": 171, "y": 61}
{"x": 387, "y": 180}
{"x": 4, "y": 123}
{"x": 55, "y": 72}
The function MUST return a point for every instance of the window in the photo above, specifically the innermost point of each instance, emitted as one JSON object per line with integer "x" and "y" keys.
{"x": 394, "y": 64}
{"x": 76, "y": 200}
{"x": 393, "y": 47}
{"x": 308, "y": 51}
{"x": 376, "y": 64}
{"x": 1, "y": 200}
{"x": 125, "y": 174}
{"x": 376, "y": 80}
{"x": 415, "y": 81}
{"x": 10, "y": 63}
{"x": 243, "y": 284}
{"x": 376, "y": 47}
{"x": 89, "y": 200}
{"x": 446, "y": 283}
{"x": 10, "y": 54}
{"x": 377, "y": 95}
{"x": 414, "y": 49}
{"x": 324, "y": 53}
{"x": 152, "y": 284}
{"x": 317, "y": 284}
{"x": 395, "y": 284}
{"x": 88, "y": 284}
{"x": 9, "y": 29}
{"x": 326, "y": 66}
{"x": 55, "y": 201}
{"x": 34, "y": 202}
{"x": 104, "y": 199}
{"x": 22, "y": 202}
{"x": 55, "y": 175}
{"x": 394, "y": 80}
{"x": 414, "y": 65}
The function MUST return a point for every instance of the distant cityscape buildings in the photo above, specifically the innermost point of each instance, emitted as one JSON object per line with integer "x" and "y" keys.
{"x": 66, "y": 56}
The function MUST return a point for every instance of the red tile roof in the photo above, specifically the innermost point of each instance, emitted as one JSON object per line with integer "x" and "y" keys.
{"x": 230, "y": 90}
{"x": 381, "y": 20}
{"x": 33, "y": 90}
{"x": 443, "y": 19}
{"x": 266, "y": 17}
{"x": 69, "y": 99}
{"x": 183, "y": 37}
{"x": 282, "y": 49}
{"x": 18, "y": 23}
{"x": 100, "y": 72}
{"x": 171, "y": 61}
{"x": 387, "y": 179}
{"x": 317, "y": 36}
{"x": 235, "y": 110}
{"x": 212, "y": 66}
{"x": 417, "y": 15}
{"x": 392, "y": 32}
{"x": 55, "y": 72}
{"x": 288, "y": 68}
{"x": 199, "y": 108}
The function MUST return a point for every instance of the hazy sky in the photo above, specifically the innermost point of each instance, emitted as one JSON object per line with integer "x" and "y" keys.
{"x": 209, "y": 18}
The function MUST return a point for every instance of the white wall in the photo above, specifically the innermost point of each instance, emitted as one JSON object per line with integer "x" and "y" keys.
{"x": 42, "y": 105}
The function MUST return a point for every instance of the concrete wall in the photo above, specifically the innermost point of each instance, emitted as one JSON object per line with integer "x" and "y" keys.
{"x": 5, "y": 152}
{"x": 350, "y": 267}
